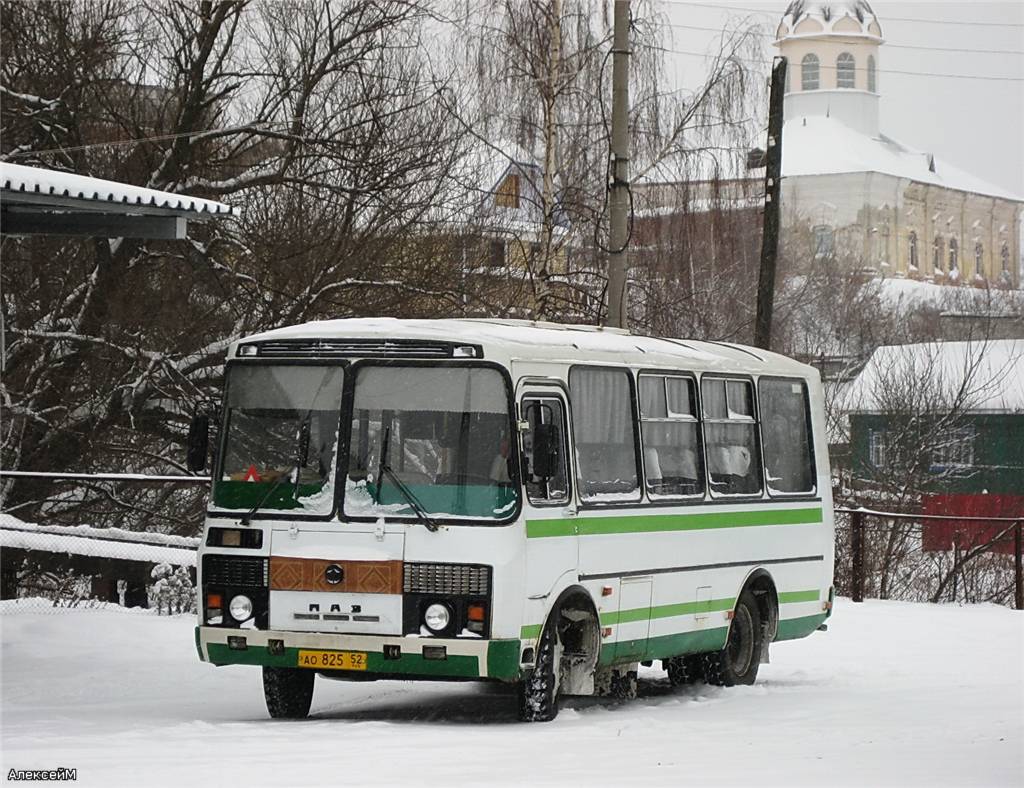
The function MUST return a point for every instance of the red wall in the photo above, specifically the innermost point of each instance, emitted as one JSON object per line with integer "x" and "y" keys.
{"x": 942, "y": 535}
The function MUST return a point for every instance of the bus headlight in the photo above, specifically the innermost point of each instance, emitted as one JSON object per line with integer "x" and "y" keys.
{"x": 241, "y": 608}
{"x": 437, "y": 617}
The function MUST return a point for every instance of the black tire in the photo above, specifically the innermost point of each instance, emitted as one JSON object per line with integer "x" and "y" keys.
{"x": 623, "y": 685}
{"x": 537, "y": 695}
{"x": 685, "y": 670}
{"x": 737, "y": 663}
{"x": 288, "y": 692}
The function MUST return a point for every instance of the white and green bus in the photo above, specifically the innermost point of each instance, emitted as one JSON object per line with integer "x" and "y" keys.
{"x": 542, "y": 505}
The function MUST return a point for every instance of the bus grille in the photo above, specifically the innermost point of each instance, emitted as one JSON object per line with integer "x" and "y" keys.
{"x": 235, "y": 571}
{"x": 463, "y": 579}
{"x": 359, "y": 348}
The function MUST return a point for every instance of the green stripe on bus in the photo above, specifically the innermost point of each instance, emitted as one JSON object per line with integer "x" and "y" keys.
{"x": 651, "y": 523}
{"x": 799, "y": 596}
{"x": 456, "y": 665}
{"x": 665, "y": 611}
{"x": 793, "y": 628}
{"x": 531, "y": 632}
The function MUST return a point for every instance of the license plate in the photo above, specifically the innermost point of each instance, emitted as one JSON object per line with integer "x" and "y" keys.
{"x": 333, "y": 660}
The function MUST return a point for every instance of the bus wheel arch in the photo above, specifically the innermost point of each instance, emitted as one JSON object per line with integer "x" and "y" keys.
{"x": 566, "y": 657}
{"x": 761, "y": 584}
{"x": 752, "y": 627}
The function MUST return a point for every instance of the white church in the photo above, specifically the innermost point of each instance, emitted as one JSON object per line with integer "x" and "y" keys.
{"x": 861, "y": 194}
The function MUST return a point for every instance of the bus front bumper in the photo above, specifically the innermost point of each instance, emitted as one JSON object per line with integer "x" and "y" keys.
{"x": 385, "y": 656}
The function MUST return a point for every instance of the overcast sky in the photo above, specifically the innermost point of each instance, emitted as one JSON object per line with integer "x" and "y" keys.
{"x": 975, "y": 124}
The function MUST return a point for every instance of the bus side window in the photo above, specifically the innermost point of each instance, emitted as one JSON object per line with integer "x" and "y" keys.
{"x": 605, "y": 429}
{"x": 786, "y": 434}
{"x": 546, "y": 478}
{"x": 671, "y": 437}
{"x": 731, "y": 437}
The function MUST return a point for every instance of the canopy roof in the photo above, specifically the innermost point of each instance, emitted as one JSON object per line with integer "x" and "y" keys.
{"x": 37, "y": 201}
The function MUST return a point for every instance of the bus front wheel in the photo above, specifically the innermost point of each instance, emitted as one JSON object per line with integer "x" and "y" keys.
{"x": 737, "y": 663}
{"x": 537, "y": 695}
{"x": 288, "y": 692}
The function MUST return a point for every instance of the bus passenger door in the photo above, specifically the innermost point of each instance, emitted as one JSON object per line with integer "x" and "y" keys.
{"x": 551, "y": 544}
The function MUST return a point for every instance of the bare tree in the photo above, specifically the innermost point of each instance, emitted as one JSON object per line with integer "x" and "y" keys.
{"x": 320, "y": 117}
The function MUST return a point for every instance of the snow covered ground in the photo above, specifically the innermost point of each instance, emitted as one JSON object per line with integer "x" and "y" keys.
{"x": 893, "y": 694}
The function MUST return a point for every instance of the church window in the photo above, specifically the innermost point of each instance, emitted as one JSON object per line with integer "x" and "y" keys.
{"x": 952, "y": 254}
{"x": 845, "y": 71}
{"x": 809, "y": 72}
{"x": 872, "y": 75}
{"x": 937, "y": 253}
{"x": 1004, "y": 255}
{"x": 979, "y": 257}
{"x": 913, "y": 249}
{"x": 824, "y": 240}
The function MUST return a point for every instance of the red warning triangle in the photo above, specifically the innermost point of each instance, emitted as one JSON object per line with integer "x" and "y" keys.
{"x": 252, "y": 475}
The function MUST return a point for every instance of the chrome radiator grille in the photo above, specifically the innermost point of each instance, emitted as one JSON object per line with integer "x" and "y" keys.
{"x": 460, "y": 579}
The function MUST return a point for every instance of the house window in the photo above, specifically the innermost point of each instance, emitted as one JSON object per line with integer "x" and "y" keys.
{"x": 954, "y": 449}
{"x": 913, "y": 249}
{"x": 878, "y": 443}
{"x": 872, "y": 75}
{"x": 496, "y": 253}
{"x": 952, "y": 254}
{"x": 979, "y": 259}
{"x": 937, "y": 253}
{"x": 507, "y": 195}
{"x": 845, "y": 71}
{"x": 824, "y": 240}
{"x": 809, "y": 72}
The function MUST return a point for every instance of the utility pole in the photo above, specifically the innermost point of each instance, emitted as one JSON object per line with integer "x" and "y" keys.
{"x": 618, "y": 201}
{"x": 772, "y": 203}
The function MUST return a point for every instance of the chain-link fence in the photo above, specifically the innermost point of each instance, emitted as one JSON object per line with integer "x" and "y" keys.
{"x": 928, "y": 558}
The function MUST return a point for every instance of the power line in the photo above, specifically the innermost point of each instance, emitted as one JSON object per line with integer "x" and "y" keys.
{"x": 264, "y": 125}
{"x": 887, "y": 45}
{"x": 880, "y": 71}
{"x": 774, "y": 15}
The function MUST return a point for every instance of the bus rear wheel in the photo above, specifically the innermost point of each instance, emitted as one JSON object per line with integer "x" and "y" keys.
{"x": 685, "y": 670}
{"x": 288, "y": 692}
{"x": 737, "y": 663}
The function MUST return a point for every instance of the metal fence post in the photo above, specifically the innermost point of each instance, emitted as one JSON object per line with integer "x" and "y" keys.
{"x": 1018, "y": 572}
{"x": 857, "y": 546}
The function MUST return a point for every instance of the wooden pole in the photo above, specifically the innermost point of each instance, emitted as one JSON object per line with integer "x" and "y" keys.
{"x": 857, "y": 546}
{"x": 618, "y": 259}
{"x": 772, "y": 200}
{"x": 1018, "y": 570}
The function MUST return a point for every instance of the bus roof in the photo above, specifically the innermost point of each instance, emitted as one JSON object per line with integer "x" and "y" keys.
{"x": 541, "y": 341}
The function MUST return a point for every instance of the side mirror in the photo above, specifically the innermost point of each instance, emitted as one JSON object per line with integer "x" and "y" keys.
{"x": 545, "y": 450}
{"x": 198, "y": 442}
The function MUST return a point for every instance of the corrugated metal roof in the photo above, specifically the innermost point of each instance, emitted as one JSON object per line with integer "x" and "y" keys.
{"x": 36, "y": 180}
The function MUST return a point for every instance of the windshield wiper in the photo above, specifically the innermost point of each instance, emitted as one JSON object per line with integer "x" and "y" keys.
{"x": 412, "y": 500}
{"x": 301, "y": 450}
{"x": 247, "y": 517}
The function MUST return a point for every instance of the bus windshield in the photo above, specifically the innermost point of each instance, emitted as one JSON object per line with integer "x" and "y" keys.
{"x": 430, "y": 440}
{"x": 282, "y": 436}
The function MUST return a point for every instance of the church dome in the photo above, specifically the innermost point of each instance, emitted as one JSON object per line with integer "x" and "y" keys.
{"x": 829, "y": 18}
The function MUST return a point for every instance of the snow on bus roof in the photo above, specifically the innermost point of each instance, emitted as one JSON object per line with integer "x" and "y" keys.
{"x": 546, "y": 341}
